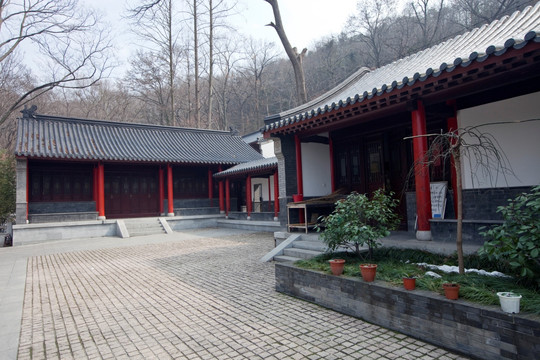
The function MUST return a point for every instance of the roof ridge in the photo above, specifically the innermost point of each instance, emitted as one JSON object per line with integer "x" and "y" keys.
{"x": 42, "y": 117}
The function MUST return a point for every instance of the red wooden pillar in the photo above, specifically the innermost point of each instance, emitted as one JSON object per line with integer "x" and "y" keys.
{"x": 95, "y": 196}
{"x": 332, "y": 173}
{"x": 227, "y": 197}
{"x": 269, "y": 195}
{"x": 101, "y": 191}
{"x": 421, "y": 173}
{"x": 170, "y": 199}
{"x": 276, "y": 194}
{"x": 249, "y": 202}
{"x": 453, "y": 127}
{"x": 299, "y": 178}
{"x": 221, "y": 200}
{"x": 210, "y": 186}
{"x": 161, "y": 190}
{"x": 27, "y": 197}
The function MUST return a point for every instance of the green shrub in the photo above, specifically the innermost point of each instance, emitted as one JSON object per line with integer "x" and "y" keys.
{"x": 517, "y": 241}
{"x": 7, "y": 186}
{"x": 359, "y": 220}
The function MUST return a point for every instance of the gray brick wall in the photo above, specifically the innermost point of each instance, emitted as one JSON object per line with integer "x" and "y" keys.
{"x": 484, "y": 332}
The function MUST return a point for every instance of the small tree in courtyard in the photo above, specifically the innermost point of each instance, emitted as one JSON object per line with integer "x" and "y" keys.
{"x": 359, "y": 220}
{"x": 7, "y": 186}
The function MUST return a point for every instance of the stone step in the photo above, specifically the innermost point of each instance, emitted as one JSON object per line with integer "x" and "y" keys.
{"x": 269, "y": 226}
{"x": 310, "y": 245}
{"x": 284, "y": 258}
{"x": 141, "y": 227}
{"x": 196, "y": 211}
{"x": 300, "y": 253}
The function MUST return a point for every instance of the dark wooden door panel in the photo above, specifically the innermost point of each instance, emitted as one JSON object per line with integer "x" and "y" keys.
{"x": 131, "y": 192}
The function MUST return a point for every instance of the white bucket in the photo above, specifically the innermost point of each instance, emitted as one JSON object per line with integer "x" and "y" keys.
{"x": 509, "y": 301}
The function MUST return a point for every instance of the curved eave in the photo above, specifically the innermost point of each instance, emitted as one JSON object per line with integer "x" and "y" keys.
{"x": 124, "y": 161}
{"x": 262, "y": 169}
{"x": 419, "y": 86}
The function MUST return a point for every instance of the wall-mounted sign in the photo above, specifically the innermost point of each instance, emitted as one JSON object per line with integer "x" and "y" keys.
{"x": 438, "y": 198}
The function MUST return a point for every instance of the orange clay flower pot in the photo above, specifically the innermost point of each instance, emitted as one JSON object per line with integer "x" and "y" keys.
{"x": 409, "y": 283}
{"x": 368, "y": 272}
{"x": 451, "y": 291}
{"x": 336, "y": 266}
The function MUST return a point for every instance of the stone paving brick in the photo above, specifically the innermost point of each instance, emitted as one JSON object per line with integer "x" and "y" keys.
{"x": 206, "y": 298}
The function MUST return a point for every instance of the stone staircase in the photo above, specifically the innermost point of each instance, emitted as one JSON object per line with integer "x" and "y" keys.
{"x": 144, "y": 226}
{"x": 301, "y": 250}
{"x": 293, "y": 247}
{"x": 305, "y": 247}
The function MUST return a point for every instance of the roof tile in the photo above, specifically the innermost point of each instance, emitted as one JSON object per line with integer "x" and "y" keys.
{"x": 42, "y": 136}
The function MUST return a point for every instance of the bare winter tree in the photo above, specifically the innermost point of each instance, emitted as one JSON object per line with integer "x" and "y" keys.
{"x": 70, "y": 45}
{"x": 154, "y": 22}
{"x": 370, "y": 25}
{"x": 470, "y": 144}
{"x": 226, "y": 61}
{"x": 295, "y": 58}
{"x": 428, "y": 17}
{"x": 473, "y": 13}
{"x": 149, "y": 83}
{"x": 258, "y": 56}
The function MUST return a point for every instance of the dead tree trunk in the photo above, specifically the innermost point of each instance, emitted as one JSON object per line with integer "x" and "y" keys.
{"x": 196, "y": 61}
{"x": 295, "y": 58}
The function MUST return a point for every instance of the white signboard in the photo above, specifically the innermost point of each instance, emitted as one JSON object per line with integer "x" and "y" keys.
{"x": 438, "y": 198}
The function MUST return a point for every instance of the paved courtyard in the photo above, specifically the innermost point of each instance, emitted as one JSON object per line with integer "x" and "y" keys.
{"x": 193, "y": 295}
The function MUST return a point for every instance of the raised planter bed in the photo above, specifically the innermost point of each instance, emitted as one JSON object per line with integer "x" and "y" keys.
{"x": 483, "y": 332}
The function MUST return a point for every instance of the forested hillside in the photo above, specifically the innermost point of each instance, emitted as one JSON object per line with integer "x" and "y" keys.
{"x": 193, "y": 69}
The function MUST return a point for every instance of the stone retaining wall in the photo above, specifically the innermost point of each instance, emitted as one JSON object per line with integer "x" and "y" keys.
{"x": 484, "y": 332}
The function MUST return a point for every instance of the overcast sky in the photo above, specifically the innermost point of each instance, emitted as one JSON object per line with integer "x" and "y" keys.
{"x": 305, "y": 21}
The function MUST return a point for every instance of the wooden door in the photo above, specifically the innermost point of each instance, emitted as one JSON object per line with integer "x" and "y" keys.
{"x": 131, "y": 192}
{"x": 374, "y": 165}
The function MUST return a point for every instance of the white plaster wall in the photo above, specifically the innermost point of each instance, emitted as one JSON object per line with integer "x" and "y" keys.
{"x": 267, "y": 149}
{"x": 316, "y": 169}
{"x": 520, "y": 142}
{"x": 264, "y": 183}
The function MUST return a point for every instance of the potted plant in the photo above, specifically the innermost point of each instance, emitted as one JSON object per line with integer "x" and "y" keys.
{"x": 368, "y": 272}
{"x": 336, "y": 266}
{"x": 509, "y": 301}
{"x": 359, "y": 220}
{"x": 409, "y": 281}
{"x": 451, "y": 290}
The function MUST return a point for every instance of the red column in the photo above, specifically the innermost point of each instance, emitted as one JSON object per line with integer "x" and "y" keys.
{"x": 161, "y": 190}
{"x": 27, "y": 197}
{"x": 269, "y": 195}
{"x": 332, "y": 173}
{"x": 453, "y": 127}
{"x": 299, "y": 179}
{"x": 276, "y": 194}
{"x": 210, "y": 186}
{"x": 101, "y": 191}
{"x": 95, "y": 196}
{"x": 421, "y": 173}
{"x": 221, "y": 200}
{"x": 170, "y": 200}
{"x": 227, "y": 197}
{"x": 248, "y": 196}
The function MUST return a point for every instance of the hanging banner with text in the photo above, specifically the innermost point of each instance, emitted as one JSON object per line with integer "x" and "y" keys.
{"x": 438, "y": 198}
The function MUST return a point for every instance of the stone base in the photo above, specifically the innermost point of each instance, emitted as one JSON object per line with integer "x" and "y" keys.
{"x": 423, "y": 235}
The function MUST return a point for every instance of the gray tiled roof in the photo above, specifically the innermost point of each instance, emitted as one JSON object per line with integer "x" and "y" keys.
{"x": 252, "y": 166}
{"x": 52, "y": 137}
{"x": 513, "y": 31}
